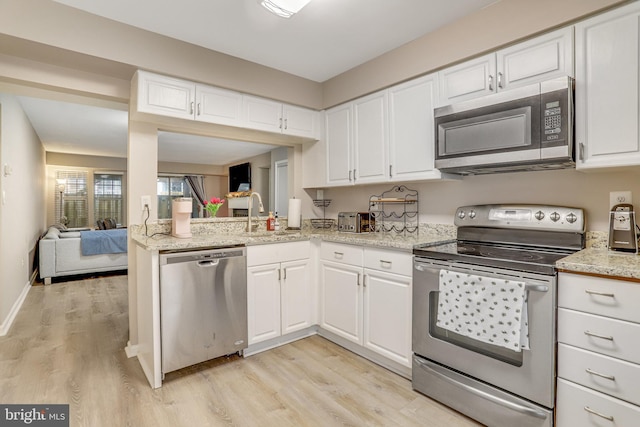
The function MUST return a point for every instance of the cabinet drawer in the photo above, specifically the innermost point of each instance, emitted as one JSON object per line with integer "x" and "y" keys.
{"x": 392, "y": 261}
{"x": 611, "y": 337}
{"x": 607, "y": 297}
{"x": 575, "y": 402}
{"x": 277, "y": 252}
{"x": 611, "y": 376}
{"x": 347, "y": 254}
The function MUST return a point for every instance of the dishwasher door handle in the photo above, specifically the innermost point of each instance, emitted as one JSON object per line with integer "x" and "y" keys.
{"x": 208, "y": 263}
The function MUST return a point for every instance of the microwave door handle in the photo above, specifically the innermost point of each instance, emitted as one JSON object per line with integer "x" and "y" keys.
{"x": 467, "y": 386}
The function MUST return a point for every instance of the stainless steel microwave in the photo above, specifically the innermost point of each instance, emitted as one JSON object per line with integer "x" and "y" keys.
{"x": 527, "y": 128}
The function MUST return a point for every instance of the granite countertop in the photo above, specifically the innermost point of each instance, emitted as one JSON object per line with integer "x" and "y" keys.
{"x": 428, "y": 235}
{"x": 602, "y": 261}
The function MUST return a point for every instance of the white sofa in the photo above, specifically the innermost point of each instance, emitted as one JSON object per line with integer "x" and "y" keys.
{"x": 60, "y": 254}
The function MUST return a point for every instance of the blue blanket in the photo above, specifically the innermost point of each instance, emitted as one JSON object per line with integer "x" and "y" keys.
{"x": 98, "y": 242}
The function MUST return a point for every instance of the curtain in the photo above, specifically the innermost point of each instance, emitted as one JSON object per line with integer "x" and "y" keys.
{"x": 196, "y": 182}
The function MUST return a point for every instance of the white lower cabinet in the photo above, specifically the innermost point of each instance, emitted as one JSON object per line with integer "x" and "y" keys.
{"x": 598, "y": 352}
{"x": 279, "y": 294}
{"x": 365, "y": 297}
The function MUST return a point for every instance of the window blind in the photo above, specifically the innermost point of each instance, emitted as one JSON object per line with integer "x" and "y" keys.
{"x": 72, "y": 207}
{"x": 107, "y": 196}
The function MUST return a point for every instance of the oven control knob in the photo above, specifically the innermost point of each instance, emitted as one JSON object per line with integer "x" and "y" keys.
{"x": 472, "y": 214}
{"x": 461, "y": 215}
{"x": 539, "y": 215}
{"x": 555, "y": 216}
{"x": 572, "y": 218}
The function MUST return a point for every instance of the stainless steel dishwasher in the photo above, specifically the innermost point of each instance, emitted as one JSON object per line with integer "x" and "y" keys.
{"x": 203, "y": 305}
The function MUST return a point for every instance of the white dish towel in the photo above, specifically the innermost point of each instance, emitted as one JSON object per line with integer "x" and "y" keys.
{"x": 486, "y": 309}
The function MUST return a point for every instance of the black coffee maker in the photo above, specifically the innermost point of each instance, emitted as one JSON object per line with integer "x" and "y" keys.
{"x": 623, "y": 235}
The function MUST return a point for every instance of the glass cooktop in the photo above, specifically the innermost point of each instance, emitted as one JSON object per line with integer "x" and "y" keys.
{"x": 513, "y": 257}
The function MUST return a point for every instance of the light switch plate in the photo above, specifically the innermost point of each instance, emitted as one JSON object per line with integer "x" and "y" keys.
{"x": 618, "y": 197}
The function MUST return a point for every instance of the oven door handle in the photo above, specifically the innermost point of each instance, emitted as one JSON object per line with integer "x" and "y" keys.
{"x": 436, "y": 269}
{"x": 435, "y": 370}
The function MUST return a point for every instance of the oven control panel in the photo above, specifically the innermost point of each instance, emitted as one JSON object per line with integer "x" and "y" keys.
{"x": 534, "y": 217}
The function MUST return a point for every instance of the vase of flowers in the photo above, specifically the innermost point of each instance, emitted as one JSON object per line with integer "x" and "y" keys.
{"x": 213, "y": 205}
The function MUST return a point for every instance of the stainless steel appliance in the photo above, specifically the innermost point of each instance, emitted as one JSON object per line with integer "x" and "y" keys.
{"x": 527, "y": 128}
{"x": 355, "y": 222}
{"x": 485, "y": 379}
{"x": 203, "y": 305}
{"x": 623, "y": 234}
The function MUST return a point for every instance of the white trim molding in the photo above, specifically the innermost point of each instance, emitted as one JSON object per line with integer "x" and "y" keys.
{"x": 6, "y": 324}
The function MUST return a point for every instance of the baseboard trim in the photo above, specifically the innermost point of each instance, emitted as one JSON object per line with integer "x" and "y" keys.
{"x": 6, "y": 324}
{"x": 376, "y": 358}
{"x": 279, "y": 341}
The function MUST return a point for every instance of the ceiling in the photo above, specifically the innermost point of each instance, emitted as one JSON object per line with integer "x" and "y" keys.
{"x": 326, "y": 38}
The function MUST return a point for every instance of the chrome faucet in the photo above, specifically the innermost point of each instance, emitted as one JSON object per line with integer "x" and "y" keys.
{"x": 250, "y": 204}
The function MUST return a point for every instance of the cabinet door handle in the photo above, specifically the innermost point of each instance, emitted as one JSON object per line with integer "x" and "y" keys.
{"x": 349, "y": 175}
{"x": 191, "y": 110}
{"x": 602, "y": 294}
{"x": 390, "y": 174}
{"x": 354, "y": 175}
{"x": 285, "y": 124}
{"x": 364, "y": 280}
{"x": 199, "y": 108}
{"x": 490, "y": 83}
{"x": 591, "y": 411}
{"x": 358, "y": 279}
{"x": 598, "y": 374}
{"x": 284, "y": 273}
{"x": 581, "y": 150}
{"x": 604, "y": 337}
{"x": 279, "y": 274}
{"x": 500, "y": 80}
{"x": 280, "y": 122}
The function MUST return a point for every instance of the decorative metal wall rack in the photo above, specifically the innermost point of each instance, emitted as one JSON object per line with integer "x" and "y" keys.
{"x": 322, "y": 222}
{"x": 395, "y": 210}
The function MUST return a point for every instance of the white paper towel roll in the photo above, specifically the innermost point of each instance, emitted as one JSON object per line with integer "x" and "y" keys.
{"x": 293, "y": 216}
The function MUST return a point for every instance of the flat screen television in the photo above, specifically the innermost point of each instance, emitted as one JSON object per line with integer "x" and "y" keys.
{"x": 239, "y": 175}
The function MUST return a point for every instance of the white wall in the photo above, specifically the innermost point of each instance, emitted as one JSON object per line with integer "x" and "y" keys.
{"x": 438, "y": 200}
{"x": 22, "y": 212}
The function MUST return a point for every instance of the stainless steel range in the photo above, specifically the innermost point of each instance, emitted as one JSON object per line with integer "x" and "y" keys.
{"x": 484, "y": 312}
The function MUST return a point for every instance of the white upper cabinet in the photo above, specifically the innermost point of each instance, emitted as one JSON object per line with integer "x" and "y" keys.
{"x": 214, "y": 105}
{"x": 541, "y": 58}
{"x": 167, "y": 96}
{"x": 607, "y": 89}
{"x": 386, "y": 136}
{"x": 411, "y": 129}
{"x": 370, "y": 138}
{"x": 264, "y": 114}
{"x": 339, "y": 145}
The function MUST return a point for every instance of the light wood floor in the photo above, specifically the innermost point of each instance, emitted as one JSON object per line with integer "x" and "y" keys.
{"x": 66, "y": 346}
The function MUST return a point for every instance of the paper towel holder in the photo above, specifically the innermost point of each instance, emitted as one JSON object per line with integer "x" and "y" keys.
{"x": 289, "y": 217}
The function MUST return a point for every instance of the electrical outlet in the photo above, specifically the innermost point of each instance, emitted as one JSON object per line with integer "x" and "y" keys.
{"x": 618, "y": 197}
{"x": 145, "y": 201}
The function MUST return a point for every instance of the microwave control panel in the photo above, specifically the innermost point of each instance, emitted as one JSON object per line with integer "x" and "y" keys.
{"x": 555, "y": 117}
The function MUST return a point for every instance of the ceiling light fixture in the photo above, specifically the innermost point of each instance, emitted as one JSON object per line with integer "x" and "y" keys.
{"x": 284, "y": 8}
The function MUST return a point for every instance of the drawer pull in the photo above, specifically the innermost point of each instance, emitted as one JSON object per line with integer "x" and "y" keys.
{"x": 338, "y": 255}
{"x": 602, "y": 294}
{"x": 386, "y": 264}
{"x": 591, "y": 334}
{"x": 591, "y": 411}
{"x": 598, "y": 374}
